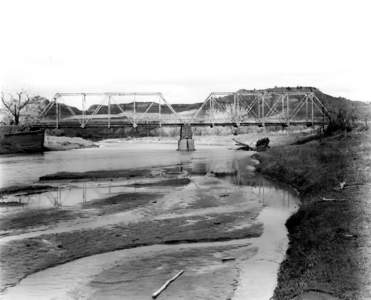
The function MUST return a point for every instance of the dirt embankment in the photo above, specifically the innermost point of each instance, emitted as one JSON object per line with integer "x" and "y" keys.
{"x": 327, "y": 254}
{"x": 67, "y": 143}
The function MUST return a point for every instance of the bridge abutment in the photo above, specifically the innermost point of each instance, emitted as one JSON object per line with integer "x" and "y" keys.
{"x": 186, "y": 142}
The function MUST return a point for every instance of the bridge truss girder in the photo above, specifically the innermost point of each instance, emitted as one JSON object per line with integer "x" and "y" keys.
{"x": 108, "y": 99}
{"x": 247, "y": 108}
{"x": 250, "y": 107}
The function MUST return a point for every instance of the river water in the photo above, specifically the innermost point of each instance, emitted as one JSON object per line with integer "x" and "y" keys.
{"x": 257, "y": 272}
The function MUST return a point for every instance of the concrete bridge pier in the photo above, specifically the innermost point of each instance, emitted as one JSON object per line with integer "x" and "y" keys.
{"x": 186, "y": 142}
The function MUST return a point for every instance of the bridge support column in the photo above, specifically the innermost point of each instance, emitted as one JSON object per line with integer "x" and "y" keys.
{"x": 186, "y": 142}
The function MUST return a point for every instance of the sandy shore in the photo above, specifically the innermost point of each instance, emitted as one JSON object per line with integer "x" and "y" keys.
{"x": 57, "y": 143}
{"x": 329, "y": 254}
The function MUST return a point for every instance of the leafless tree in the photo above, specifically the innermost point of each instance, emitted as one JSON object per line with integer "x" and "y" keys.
{"x": 15, "y": 104}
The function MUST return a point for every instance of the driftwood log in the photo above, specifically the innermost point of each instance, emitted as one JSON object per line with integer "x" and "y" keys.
{"x": 243, "y": 146}
{"x": 166, "y": 284}
{"x": 261, "y": 145}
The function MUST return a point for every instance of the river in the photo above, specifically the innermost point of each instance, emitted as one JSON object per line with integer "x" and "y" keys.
{"x": 252, "y": 271}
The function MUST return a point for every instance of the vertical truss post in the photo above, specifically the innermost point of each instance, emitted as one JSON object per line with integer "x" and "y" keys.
{"x": 311, "y": 98}
{"x": 263, "y": 120}
{"x": 306, "y": 108}
{"x": 283, "y": 105}
{"x": 159, "y": 111}
{"x": 213, "y": 101}
{"x": 238, "y": 108}
{"x": 288, "y": 109}
{"x": 210, "y": 109}
{"x": 83, "y": 121}
{"x": 234, "y": 106}
{"x": 109, "y": 112}
{"x": 56, "y": 112}
{"x": 134, "y": 111}
{"x": 259, "y": 108}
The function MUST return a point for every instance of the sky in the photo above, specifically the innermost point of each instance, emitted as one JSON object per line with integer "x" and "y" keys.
{"x": 185, "y": 48}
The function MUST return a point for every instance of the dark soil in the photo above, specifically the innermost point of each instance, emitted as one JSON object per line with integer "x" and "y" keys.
{"x": 121, "y": 202}
{"x": 25, "y": 189}
{"x": 91, "y": 175}
{"x": 10, "y": 203}
{"x": 328, "y": 235}
{"x": 37, "y": 217}
{"x": 167, "y": 182}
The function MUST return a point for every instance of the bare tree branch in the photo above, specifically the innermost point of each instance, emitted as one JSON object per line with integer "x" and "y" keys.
{"x": 25, "y": 103}
{"x": 7, "y": 106}
{"x": 14, "y": 105}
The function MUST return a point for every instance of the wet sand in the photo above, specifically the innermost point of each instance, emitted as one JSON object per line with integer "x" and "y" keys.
{"x": 137, "y": 273}
{"x": 167, "y": 205}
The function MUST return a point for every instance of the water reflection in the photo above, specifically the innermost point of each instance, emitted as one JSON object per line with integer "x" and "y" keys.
{"x": 242, "y": 187}
{"x": 79, "y": 193}
{"x": 70, "y": 195}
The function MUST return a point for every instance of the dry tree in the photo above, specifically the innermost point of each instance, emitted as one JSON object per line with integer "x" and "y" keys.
{"x": 15, "y": 104}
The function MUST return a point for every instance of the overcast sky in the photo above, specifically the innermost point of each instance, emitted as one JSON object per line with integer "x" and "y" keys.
{"x": 185, "y": 49}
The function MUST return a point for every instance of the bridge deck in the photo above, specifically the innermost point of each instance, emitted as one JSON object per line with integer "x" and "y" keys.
{"x": 174, "y": 124}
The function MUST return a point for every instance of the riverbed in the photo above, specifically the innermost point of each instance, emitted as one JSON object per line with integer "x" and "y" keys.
{"x": 206, "y": 212}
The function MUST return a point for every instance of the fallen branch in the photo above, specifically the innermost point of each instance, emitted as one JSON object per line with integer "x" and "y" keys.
{"x": 238, "y": 143}
{"x": 224, "y": 259}
{"x": 166, "y": 284}
{"x": 332, "y": 199}
{"x": 242, "y": 146}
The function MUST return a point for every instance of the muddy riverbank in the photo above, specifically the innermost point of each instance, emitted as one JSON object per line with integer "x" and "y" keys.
{"x": 328, "y": 253}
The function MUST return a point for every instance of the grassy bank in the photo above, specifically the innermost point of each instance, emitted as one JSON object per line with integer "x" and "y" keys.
{"x": 328, "y": 235}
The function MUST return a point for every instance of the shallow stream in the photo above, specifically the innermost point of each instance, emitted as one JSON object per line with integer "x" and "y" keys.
{"x": 251, "y": 273}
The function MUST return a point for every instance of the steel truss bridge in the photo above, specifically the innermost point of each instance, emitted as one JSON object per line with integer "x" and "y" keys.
{"x": 219, "y": 109}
